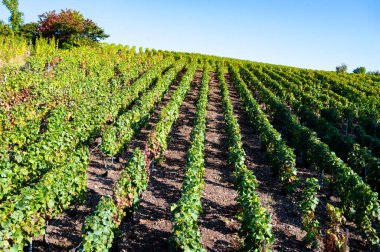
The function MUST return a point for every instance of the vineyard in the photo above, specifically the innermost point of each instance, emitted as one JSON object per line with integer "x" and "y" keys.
{"x": 109, "y": 148}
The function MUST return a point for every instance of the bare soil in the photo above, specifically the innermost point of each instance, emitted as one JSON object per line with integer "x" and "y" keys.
{"x": 218, "y": 223}
{"x": 150, "y": 227}
{"x": 64, "y": 232}
{"x": 285, "y": 216}
{"x": 284, "y": 210}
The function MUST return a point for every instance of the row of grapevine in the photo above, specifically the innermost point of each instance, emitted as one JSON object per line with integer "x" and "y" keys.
{"x": 308, "y": 86}
{"x": 354, "y": 82}
{"x": 368, "y": 106}
{"x": 29, "y": 97}
{"x": 335, "y": 239}
{"x": 26, "y": 100}
{"x": 43, "y": 93}
{"x": 280, "y": 156}
{"x": 43, "y": 200}
{"x": 333, "y": 87}
{"x": 344, "y": 145}
{"x": 308, "y": 205}
{"x": 63, "y": 134}
{"x": 256, "y": 227}
{"x": 368, "y": 82}
{"x": 372, "y": 143}
{"x": 24, "y": 215}
{"x": 186, "y": 235}
{"x": 366, "y": 85}
{"x": 13, "y": 51}
{"x": 54, "y": 103}
{"x": 169, "y": 114}
{"x": 358, "y": 201}
{"x": 340, "y": 112}
{"x": 117, "y": 136}
{"x": 335, "y": 108}
{"x": 99, "y": 228}
{"x": 336, "y": 113}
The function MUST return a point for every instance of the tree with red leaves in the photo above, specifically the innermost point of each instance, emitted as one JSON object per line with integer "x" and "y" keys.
{"x": 69, "y": 28}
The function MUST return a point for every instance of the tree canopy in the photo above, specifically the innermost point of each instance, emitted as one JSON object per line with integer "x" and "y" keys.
{"x": 359, "y": 70}
{"x": 342, "y": 68}
{"x": 69, "y": 27}
{"x": 15, "y": 19}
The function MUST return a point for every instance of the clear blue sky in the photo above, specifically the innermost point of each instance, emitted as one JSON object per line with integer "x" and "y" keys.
{"x": 318, "y": 34}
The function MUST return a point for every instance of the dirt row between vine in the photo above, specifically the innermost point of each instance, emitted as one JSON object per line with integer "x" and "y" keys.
{"x": 285, "y": 217}
{"x": 218, "y": 223}
{"x": 284, "y": 210}
{"x": 63, "y": 233}
{"x": 150, "y": 226}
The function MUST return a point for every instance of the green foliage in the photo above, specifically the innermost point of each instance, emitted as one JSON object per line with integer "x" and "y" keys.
{"x": 335, "y": 236}
{"x": 13, "y": 50}
{"x": 307, "y": 205}
{"x": 15, "y": 19}
{"x": 68, "y": 126}
{"x": 99, "y": 228}
{"x": 281, "y": 157}
{"x": 341, "y": 69}
{"x": 43, "y": 148}
{"x": 29, "y": 31}
{"x": 377, "y": 72}
{"x": 169, "y": 114}
{"x": 186, "y": 235}
{"x": 358, "y": 201}
{"x": 132, "y": 181}
{"x": 70, "y": 28}
{"x": 364, "y": 164}
{"x": 359, "y": 70}
{"x": 54, "y": 103}
{"x": 121, "y": 133}
{"x": 256, "y": 227}
{"x": 306, "y": 108}
{"x": 23, "y": 216}
{"x": 5, "y": 29}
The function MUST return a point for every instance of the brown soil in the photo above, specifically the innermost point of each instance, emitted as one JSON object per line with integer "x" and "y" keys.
{"x": 150, "y": 227}
{"x": 218, "y": 224}
{"x": 326, "y": 194}
{"x": 283, "y": 210}
{"x": 64, "y": 232}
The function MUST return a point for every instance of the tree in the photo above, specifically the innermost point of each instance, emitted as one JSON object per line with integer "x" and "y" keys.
{"x": 15, "y": 19}
{"x": 359, "y": 70}
{"x": 29, "y": 31}
{"x": 69, "y": 28}
{"x": 342, "y": 68}
{"x": 377, "y": 72}
{"x": 5, "y": 29}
